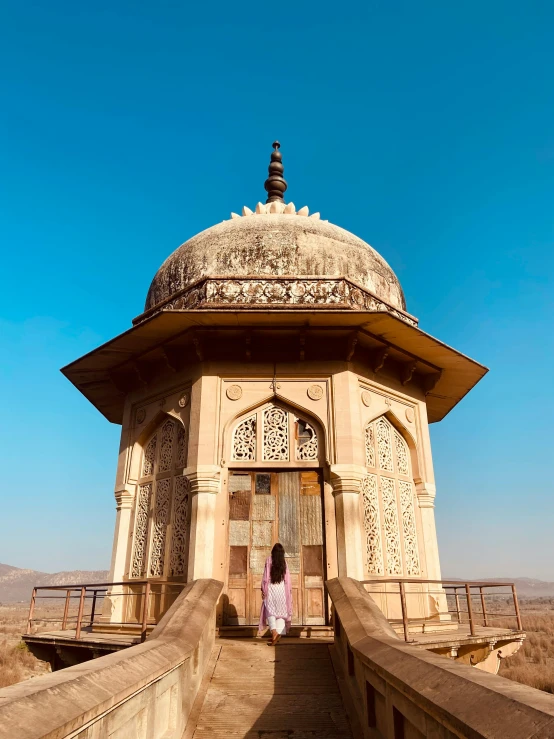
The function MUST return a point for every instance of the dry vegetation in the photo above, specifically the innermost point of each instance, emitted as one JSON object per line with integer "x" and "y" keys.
{"x": 16, "y": 662}
{"x": 533, "y": 664}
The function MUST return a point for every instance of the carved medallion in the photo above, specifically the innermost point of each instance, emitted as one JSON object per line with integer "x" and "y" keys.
{"x": 366, "y": 398}
{"x": 183, "y": 400}
{"x": 234, "y": 392}
{"x": 410, "y": 415}
{"x": 141, "y": 415}
{"x": 315, "y": 392}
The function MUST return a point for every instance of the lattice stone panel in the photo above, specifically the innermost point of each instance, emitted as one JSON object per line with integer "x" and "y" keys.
{"x": 402, "y": 458}
{"x": 141, "y": 530}
{"x": 411, "y": 555}
{"x": 181, "y": 458}
{"x": 166, "y": 447}
{"x": 275, "y": 434}
{"x": 308, "y": 450}
{"x": 369, "y": 446}
{"x": 179, "y": 539}
{"x": 372, "y": 526}
{"x": 159, "y": 531}
{"x": 244, "y": 441}
{"x": 392, "y": 532}
{"x": 384, "y": 446}
{"x": 149, "y": 457}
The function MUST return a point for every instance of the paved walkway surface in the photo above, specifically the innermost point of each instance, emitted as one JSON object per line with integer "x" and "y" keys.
{"x": 260, "y": 692}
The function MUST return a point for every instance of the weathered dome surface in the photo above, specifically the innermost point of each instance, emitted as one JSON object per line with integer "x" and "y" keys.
{"x": 276, "y": 244}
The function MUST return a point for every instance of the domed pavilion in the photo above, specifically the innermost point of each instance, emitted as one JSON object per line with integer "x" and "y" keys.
{"x": 275, "y": 388}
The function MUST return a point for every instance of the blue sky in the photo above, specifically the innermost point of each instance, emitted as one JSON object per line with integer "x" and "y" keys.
{"x": 425, "y": 128}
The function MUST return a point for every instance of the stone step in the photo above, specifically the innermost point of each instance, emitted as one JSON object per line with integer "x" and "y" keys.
{"x": 302, "y": 632}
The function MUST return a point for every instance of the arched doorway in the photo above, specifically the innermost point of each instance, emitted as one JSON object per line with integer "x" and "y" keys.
{"x": 388, "y": 510}
{"x": 275, "y": 494}
{"x": 162, "y": 506}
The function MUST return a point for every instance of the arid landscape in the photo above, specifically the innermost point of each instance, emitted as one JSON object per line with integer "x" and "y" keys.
{"x": 533, "y": 665}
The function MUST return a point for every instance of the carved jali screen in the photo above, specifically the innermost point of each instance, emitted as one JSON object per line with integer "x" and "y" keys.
{"x": 274, "y": 435}
{"x": 264, "y": 508}
{"x": 162, "y": 506}
{"x": 388, "y": 503}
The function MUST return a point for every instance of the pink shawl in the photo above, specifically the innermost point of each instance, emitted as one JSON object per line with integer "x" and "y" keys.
{"x": 266, "y": 579}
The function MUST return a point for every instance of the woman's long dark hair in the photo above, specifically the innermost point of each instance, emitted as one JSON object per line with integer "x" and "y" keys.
{"x": 278, "y": 564}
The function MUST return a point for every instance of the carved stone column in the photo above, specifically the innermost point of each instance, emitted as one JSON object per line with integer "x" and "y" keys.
{"x": 426, "y": 500}
{"x": 204, "y": 485}
{"x": 346, "y": 481}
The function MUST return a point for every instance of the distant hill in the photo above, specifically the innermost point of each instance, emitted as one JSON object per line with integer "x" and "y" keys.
{"x": 526, "y": 587}
{"x": 16, "y": 585}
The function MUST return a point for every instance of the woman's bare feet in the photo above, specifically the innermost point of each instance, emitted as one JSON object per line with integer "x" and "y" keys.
{"x": 274, "y": 638}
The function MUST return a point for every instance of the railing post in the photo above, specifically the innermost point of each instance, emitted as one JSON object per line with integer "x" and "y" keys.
{"x": 470, "y": 610}
{"x": 516, "y": 606}
{"x": 404, "y": 611}
{"x": 485, "y": 623}
{"x": 93, "y": 608}
{"x": 457, "y": 602}
{"x": 145, "y": 611}
{"x": 66, "y": 609}
{"x": 31, "y": 611}
{"x": 80, "y": 613}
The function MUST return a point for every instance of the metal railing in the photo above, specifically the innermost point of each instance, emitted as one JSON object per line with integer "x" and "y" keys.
{"x": 454, "y": 594}
{"x": 95, "y": 593}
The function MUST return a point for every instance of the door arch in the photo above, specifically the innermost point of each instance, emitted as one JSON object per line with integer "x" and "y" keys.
{"x": 275, "y": 494}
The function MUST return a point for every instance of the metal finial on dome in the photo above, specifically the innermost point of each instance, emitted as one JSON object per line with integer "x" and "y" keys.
{"x": 275, "y": 184}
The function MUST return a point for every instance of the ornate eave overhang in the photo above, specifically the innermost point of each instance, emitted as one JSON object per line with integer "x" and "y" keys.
{"x": 168, "y": 337}
{"x": 253, "y": 292}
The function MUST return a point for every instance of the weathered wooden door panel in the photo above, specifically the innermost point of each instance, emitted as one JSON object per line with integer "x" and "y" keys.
{"x": 265, "y": 508}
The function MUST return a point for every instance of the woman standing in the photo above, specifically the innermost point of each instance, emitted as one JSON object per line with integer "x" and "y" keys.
{"x": 277, "y": 595}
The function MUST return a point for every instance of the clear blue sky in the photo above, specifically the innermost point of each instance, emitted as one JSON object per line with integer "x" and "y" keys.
{"x": 425, "y": 128}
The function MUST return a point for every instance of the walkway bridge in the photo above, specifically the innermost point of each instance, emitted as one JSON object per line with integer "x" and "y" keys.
{"x": 184, "y": 680}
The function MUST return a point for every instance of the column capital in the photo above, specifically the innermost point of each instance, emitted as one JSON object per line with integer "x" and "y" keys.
{"x": 204, "y": 479}
{"x": 123, "y": 498}
{"x": 347, "y": 478}
{"x": 426, "y": 492}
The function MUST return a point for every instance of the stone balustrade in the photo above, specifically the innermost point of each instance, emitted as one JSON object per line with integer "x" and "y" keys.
{"x": 145, "y": 692}
{"x": 393, "y": 690}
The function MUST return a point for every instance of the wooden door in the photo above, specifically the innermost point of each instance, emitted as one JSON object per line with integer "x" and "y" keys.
{"x": 264, "y": 508}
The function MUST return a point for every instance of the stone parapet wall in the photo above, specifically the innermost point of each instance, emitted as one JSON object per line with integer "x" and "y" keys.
{"x": 394, "y": 690}
{"x": 337, "y": 293}
{"x": 144, "y": 692}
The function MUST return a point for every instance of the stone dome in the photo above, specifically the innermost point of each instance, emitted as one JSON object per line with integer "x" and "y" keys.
{"x": 270, "y": 244}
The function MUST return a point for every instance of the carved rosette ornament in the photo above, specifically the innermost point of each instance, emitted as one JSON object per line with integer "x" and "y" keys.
{"x": 410, "y": 415}
{"x": 141, "y": 415}
{"x": 183, "y": 400}
{"x": 228, "y": 293}
{"x": 366, "y": 398}
{"x": 315, "y": 392}
{"x": 234, "y": 392}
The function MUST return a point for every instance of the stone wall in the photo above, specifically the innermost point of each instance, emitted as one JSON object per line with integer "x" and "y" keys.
{"x": 144, "y": 692}
{"x": 395, "y": 691}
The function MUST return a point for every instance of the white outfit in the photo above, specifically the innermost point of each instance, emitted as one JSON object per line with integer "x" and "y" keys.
{"x": 276, "y": 605}
{"x": 276, "y": 624}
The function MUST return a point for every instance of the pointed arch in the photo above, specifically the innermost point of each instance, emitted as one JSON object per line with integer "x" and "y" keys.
{"x": 162, "y": 501}
{"x": 274, "y": 431}
{"x": 388, "y": 502}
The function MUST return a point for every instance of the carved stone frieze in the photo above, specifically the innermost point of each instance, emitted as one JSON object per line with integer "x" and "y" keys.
{"x": 249, "y": 291}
